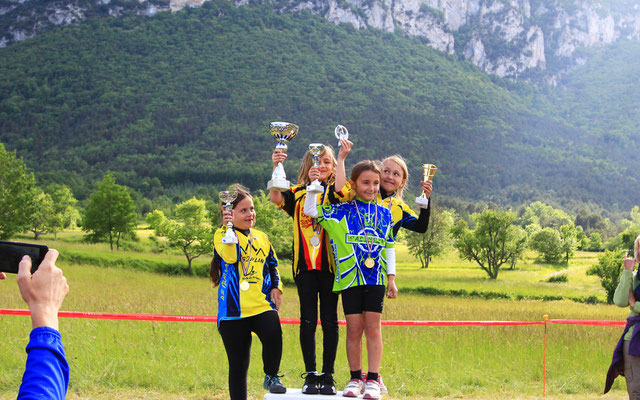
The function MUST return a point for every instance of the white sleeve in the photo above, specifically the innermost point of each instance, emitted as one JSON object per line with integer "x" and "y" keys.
{"x": 311, "y": 206}
{"x": 391, "y": 261}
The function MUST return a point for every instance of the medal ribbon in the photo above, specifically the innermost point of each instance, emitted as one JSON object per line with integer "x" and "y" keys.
{"x": 375, "y": 224}
{"x": 245, "y": 267}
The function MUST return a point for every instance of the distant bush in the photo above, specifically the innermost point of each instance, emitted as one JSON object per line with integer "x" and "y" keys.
{"x": 559, "y": 278}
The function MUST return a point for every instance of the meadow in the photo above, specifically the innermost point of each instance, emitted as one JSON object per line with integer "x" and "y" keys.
{"x": 186, "y": 360}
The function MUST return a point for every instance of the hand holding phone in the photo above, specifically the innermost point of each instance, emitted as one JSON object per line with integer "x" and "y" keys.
{"x": 12, "y": 252}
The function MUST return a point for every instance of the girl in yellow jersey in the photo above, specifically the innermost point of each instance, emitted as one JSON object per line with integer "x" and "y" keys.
{"x": 249, "y": 297}
{"x": 313, "y": 268}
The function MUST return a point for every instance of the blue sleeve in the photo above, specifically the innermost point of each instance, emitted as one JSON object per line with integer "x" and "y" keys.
{"x": 46, "y": 375}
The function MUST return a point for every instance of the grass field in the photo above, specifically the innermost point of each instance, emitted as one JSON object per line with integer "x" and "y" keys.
{"x": 186, "y": 360}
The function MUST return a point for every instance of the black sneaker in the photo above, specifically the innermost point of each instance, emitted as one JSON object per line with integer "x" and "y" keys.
{"x": 327, "y": 385}
{"x": 310, "y": 383}
{"x": 273, "y": 384}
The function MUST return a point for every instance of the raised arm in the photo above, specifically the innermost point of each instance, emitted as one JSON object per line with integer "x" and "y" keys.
{"x": 341, "y": 174}
{"x": 277, "y": 157}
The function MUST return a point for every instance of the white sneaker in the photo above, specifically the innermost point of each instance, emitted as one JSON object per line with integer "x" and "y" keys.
{"x": 383, "y": 388}
{"x": 372, "y": 390}
{"x": 353, "y": 389}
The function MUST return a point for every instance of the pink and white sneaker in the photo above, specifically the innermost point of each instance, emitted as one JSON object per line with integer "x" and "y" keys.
{"x": 383, "y": 388}
{"x": 372, "y": 390}
{"x": 354, "y": 388}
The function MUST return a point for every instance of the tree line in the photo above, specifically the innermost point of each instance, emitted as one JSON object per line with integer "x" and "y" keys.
{"x": 492, "y": 237}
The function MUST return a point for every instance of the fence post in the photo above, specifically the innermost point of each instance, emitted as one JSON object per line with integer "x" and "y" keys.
{"x": 544, "y": 362}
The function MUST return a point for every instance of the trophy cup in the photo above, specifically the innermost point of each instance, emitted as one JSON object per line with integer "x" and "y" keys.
{"x": 428, "y": 171}
{"x": 228, "y": 196}
{"x": 315, "y": 149}
{"x": 282, "y": 132}
{"x": 341, "y": 133}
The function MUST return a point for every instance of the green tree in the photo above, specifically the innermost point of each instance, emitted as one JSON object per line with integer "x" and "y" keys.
{"x": 435, "y": 240}
{"x": 520, "y": 245}
{"x": 110, "y": 213}
{"x": 64, "y": 207}
{"x": 42, "y": 219}
{"x": 17, "y": 194}
{"x": 548, "y": 244}
{"x": 608, "y": 269}
{"x": 491, "y": 244}
{"x": 189, "y": 231}
{"x": 568, "y": 237}
{"x": 595, "y": 242}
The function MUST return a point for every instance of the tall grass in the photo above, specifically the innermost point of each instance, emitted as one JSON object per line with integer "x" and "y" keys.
{"x": 186, "y": 360}
{"x": 140, "y": 359}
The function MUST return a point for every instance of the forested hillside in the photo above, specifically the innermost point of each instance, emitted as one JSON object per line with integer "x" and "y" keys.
{"x": 185, "y": 99}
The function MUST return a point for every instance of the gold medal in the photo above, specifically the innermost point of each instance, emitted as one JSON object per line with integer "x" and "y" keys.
{"x": 369, "y": 263}
{"x": 244, "y": 285}
{"x": 315, "y": 241}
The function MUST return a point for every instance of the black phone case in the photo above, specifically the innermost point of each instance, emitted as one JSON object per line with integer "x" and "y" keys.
{"x": 12, "y": 252}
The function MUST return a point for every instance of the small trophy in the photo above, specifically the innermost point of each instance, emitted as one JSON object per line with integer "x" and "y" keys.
{"x": 227, "y": 197}
{"x": 428, "y": 171}
{"x": 315, "y": 149}
{"x": 341, "y": 133}
{"x": 282, "y": 132}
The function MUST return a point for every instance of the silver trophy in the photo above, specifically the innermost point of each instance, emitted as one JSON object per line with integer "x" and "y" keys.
{"x": 341, "y": 133}
{"x": 428, "y": 171}
{"x": 315, "y": 149}
{"x": 282, "y": 132}
{"x": 227, "y": 197}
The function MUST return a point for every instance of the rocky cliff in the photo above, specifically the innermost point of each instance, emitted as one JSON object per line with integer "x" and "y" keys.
{"x": 520, "y": 39}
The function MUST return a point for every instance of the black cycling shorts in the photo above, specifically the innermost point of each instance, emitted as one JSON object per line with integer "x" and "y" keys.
{"x": 357, "y": 299}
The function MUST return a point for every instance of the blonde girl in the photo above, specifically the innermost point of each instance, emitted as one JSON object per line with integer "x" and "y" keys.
{"x": 313, "y": 268}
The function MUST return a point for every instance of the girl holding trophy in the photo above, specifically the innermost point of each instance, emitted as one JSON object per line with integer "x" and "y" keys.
{"x": 362, "y": 236}
{"x": 313, "y": 268}
{"x": 393, "y": 181}
{"x": 249, "y": 294}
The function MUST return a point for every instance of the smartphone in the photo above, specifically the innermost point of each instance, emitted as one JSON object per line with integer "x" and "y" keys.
{"x": 12, "y": 252}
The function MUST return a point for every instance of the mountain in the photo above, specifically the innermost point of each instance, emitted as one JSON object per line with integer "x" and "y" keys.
{"x": 533, "y": 40}
{"x": 181, "y": 102}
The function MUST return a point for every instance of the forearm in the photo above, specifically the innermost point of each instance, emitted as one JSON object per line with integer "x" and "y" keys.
{"x": 276, "y": 197}
{"x": 391, "y": 261}
{"x": 311, "y": 206}
{"x": 46, "y": 375}
{"x": 341, "y": 175}
{"x": 621, "y": 295}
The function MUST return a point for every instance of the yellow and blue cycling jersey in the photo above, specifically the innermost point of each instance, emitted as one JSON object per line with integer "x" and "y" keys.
{"x": 249, "y": 271}
{"x": 403, "y": 216}
{"x": 358, "y": 231}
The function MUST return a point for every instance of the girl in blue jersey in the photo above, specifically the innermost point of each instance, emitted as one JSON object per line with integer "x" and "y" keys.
{"x": 362, "y": 241}
{"x": 249, "y": 297}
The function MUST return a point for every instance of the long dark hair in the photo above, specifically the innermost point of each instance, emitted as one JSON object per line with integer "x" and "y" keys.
{"x": 215, "y": 269}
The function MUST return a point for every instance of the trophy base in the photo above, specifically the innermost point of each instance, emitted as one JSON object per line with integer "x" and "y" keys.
{"x": 422, "y": 202}
{"x": 281, "y": 185}
{"x": 315, "y": 188}
{"x": 229, "y": 239}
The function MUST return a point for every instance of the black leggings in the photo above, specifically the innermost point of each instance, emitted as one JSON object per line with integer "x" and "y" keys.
{"x": 236, "y": 336}
{"x": 314, "y": 285}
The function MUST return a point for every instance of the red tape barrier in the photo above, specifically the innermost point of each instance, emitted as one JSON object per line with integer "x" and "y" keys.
{"x": 295, "y": 321}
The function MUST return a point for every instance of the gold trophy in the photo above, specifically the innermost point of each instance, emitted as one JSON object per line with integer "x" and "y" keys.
{"x": 341, "y": 132}
{"x": 227, "y": 197}
{"x": 315, "y": 149}
{"x": 428, "y": 171}
{"x": 282, "y": 132}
